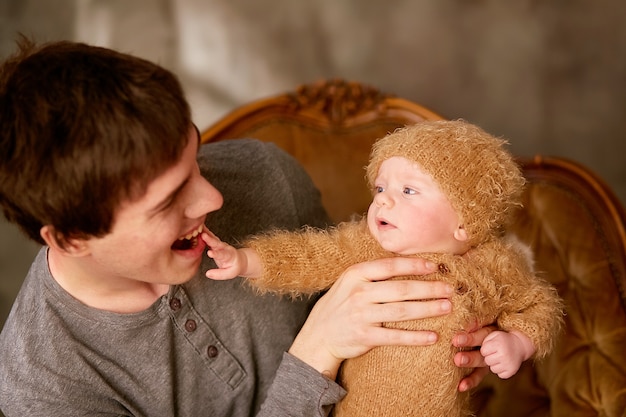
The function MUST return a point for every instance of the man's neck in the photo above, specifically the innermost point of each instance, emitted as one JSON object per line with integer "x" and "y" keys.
{"x": 119, "y": 295}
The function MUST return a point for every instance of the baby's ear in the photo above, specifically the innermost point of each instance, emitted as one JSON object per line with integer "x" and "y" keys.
{"x": 460, "y": 233}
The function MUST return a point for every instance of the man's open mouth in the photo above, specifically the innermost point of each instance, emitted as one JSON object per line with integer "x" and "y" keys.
{"x": 189, "y": 241}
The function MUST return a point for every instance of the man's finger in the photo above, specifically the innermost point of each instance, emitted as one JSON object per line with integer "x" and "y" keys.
{"x": 473, "y": 379}
{"x": 472, "y": 339}
{"x": 382, "y": 269}
{"x": 469, "y": 359}
{"x": 407, "y": 310}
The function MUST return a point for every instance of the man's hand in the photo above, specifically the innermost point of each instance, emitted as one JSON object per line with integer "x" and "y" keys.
{"x": 347, "y": 321}
{"x": 471, "y": 358}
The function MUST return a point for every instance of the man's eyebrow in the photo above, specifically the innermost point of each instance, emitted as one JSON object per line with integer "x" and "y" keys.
{"x": 172, "y": 195}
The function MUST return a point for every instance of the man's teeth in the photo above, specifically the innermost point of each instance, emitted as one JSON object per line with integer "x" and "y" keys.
{"x": 193, "y": 234}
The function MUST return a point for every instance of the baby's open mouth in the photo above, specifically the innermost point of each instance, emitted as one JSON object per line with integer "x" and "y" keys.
{"x": 189, "y": 241}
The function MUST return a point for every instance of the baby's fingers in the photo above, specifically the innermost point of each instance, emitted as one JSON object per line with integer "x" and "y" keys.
{"x": 218, "y": 274}
{"x": 211, "y": 240}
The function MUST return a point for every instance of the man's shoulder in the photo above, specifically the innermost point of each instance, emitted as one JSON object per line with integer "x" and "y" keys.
{"x": 253, "y": 151}
{"x": 28, "y": 313}
{"x": 263, "y": 187}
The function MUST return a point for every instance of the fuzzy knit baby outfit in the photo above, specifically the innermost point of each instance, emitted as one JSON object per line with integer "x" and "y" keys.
{"x": 494, "y": 281}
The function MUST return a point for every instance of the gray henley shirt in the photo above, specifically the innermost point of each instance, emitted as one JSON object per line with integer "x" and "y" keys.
{"x": 207, "y": 348}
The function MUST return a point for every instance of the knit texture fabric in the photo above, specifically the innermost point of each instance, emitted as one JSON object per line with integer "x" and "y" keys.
{"x": 495, "y": 283}
{"x": 472, "y": 168}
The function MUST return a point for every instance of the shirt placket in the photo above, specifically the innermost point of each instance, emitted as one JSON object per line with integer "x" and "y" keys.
{"x": 204, "y": 341}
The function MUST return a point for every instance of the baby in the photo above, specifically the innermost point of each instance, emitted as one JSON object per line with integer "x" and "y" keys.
{"x": 443, "y": 191}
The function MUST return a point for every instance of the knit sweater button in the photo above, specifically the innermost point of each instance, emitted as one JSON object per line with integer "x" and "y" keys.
{"x": 211, "y": 351}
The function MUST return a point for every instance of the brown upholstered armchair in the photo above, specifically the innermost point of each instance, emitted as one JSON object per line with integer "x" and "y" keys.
{"x": 571, "y": 219}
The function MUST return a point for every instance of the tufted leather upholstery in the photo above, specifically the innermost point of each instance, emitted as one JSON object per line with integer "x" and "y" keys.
{"x": 571, "y": 219}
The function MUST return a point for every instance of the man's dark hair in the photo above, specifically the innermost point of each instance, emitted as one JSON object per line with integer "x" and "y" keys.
{"x": 83, "y": 128}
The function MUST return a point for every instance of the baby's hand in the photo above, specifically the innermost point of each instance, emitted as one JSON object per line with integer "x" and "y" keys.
{"x": 504, "y": 352}
{"x": 225, "y": 257}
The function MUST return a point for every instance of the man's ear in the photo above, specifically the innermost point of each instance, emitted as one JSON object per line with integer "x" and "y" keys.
{"x": 460, "y": 233}
{"x": 59, "y": 242}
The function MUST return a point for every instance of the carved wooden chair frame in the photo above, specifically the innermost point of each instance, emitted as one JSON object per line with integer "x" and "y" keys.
{"x": 336, "y": 105}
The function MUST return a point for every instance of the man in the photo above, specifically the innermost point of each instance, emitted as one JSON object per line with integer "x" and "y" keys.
{"x": 100, "y": 163}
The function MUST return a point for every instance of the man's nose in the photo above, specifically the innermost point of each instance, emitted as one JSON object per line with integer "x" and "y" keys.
{"x": 204, "y": 199}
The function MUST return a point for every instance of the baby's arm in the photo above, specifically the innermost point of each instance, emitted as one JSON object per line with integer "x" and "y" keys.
{"x": 504, "y": 352}
{"x": 231, "y": 262}
{"x": 530, "y": 310}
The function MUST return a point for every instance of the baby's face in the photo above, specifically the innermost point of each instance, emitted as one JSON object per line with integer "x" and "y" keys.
{"x": 410, "y": 214}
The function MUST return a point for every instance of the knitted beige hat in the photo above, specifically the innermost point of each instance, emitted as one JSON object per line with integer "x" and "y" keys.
{"x": 480, "y": 178}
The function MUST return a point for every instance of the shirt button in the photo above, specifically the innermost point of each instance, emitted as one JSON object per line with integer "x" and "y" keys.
{"x": 211, "y": 351}
{"x": 175, "y": 304}
{"x": 190, "y": 325}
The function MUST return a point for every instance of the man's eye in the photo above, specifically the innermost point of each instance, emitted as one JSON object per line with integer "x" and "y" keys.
{"x": 169, "y": 203}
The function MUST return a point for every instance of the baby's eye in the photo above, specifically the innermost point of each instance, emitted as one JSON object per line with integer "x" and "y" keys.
{"x": 378, "y": 189}
{"x": 409, "y": 191}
